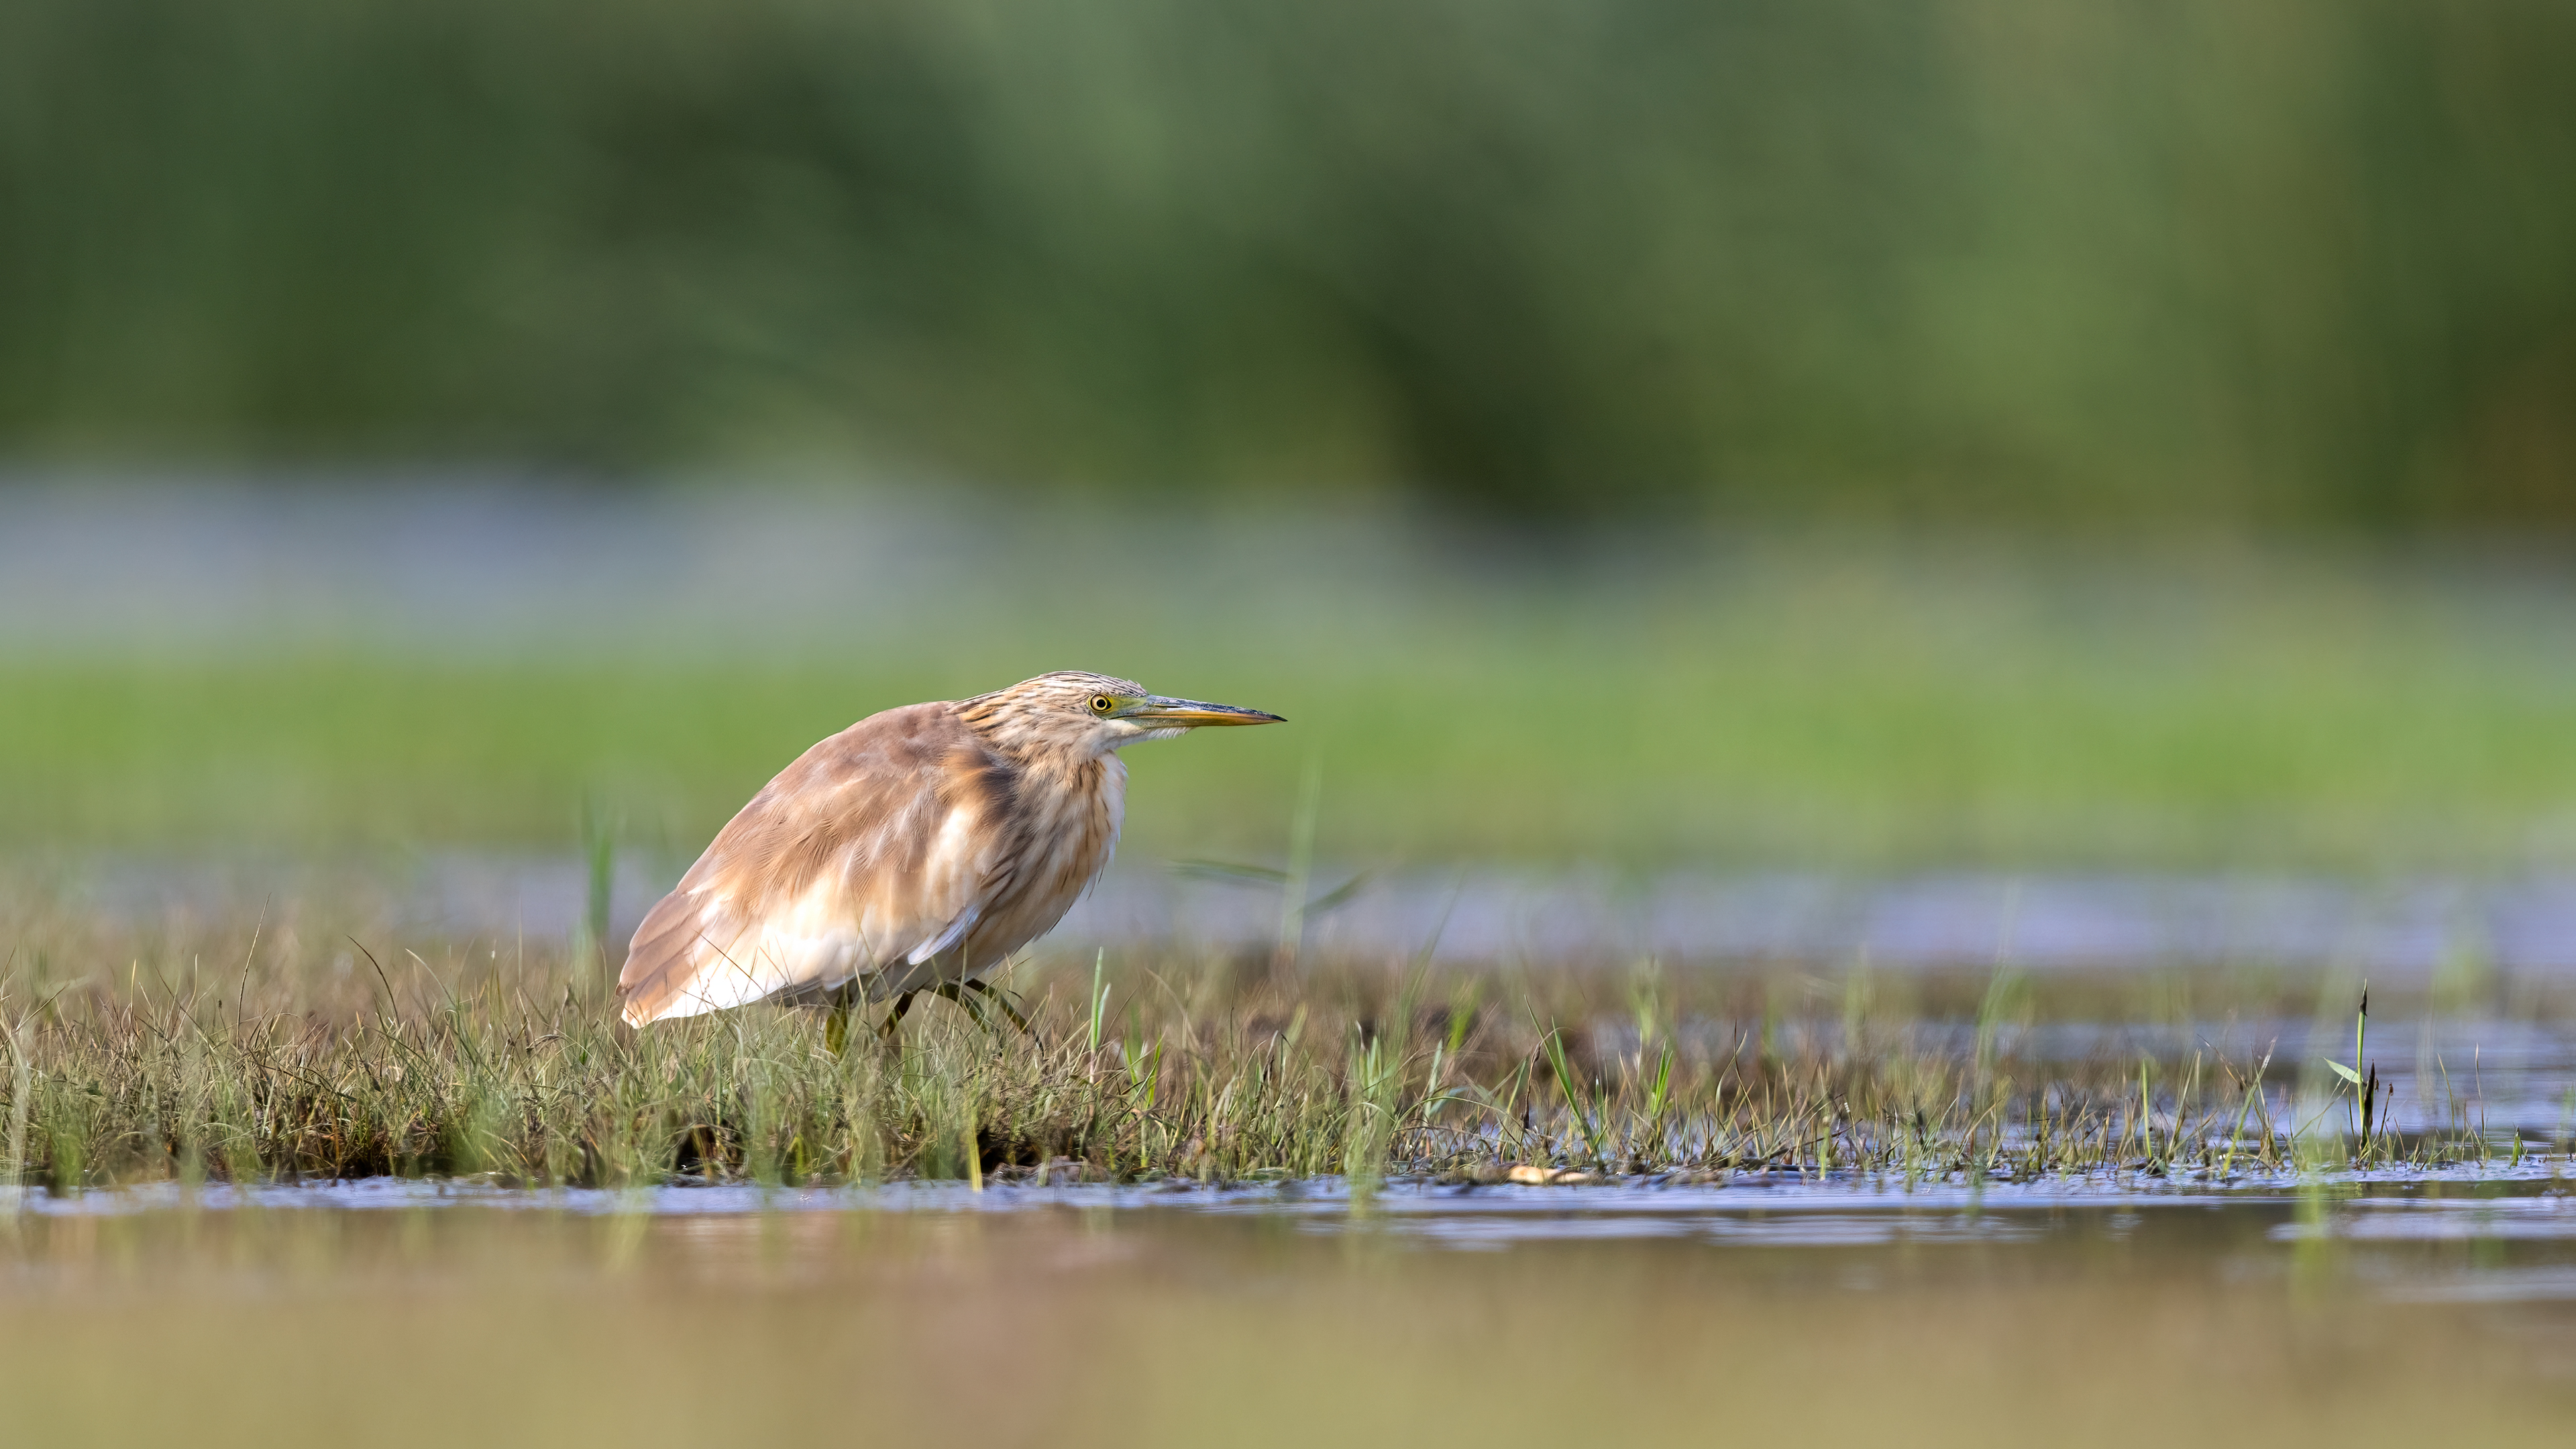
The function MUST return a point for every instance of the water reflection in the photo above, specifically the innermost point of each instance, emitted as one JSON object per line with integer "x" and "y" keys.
{"x": 1288, "y": 1314}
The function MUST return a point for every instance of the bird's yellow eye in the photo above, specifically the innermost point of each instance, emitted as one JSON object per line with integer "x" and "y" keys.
{"x": 1102, "y": 704}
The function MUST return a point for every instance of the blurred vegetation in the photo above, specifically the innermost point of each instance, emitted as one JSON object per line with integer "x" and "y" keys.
{"x": 2301, "y": 262}
{"x": 1784, "y": 705}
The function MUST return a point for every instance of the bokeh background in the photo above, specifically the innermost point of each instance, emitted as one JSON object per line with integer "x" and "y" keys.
{"x": 1976, "y": 434}
{"x": 1948, "y": 566}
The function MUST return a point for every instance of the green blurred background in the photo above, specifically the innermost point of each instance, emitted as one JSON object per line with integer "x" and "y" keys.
{"x": 2305, "y": 261}
{"x": 1896, "y": 705}
{"x": 1977, "y": 431}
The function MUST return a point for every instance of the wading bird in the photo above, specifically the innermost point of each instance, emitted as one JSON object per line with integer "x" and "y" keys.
{"x": 913, "y": 851}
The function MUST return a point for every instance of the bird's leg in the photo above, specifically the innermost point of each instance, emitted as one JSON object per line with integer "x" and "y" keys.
{"x": 982, "y": 1007}
{"x": 836, "y": 1019}
{"x": 894, "y": 1018}
{"x": 993, "y": 996}
{"x": 949, "y": 990}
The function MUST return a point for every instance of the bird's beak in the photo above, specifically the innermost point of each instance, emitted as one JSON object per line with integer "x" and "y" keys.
{"x": 1155, "y": 709}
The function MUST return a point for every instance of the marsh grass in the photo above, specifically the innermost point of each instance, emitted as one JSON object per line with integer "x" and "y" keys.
{"x": 287, "y": 1051}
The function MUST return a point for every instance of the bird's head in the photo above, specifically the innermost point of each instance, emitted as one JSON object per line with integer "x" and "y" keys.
{"x": 1098, "y": 711}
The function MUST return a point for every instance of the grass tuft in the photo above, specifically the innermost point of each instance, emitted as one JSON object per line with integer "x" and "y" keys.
{"x": 300, "y": 1060}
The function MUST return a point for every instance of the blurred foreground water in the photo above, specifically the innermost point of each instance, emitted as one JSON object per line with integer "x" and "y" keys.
{"x": 2380, "y": 1314}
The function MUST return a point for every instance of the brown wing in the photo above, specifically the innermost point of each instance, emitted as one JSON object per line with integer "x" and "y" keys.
{"x": 875, "y": 846}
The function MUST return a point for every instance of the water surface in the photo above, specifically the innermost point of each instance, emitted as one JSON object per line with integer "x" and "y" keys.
{"x": 2366, "y": 1313}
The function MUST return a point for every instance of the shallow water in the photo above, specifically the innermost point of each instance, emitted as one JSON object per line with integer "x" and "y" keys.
{"x": 2407, "y": 932}
{"x": 2369, "y": 1312}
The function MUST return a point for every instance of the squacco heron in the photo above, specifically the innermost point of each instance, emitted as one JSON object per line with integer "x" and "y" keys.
{"x": 913, "y": 851}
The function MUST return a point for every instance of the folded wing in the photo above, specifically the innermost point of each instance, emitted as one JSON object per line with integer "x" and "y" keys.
{"x": 870, "y": 850}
